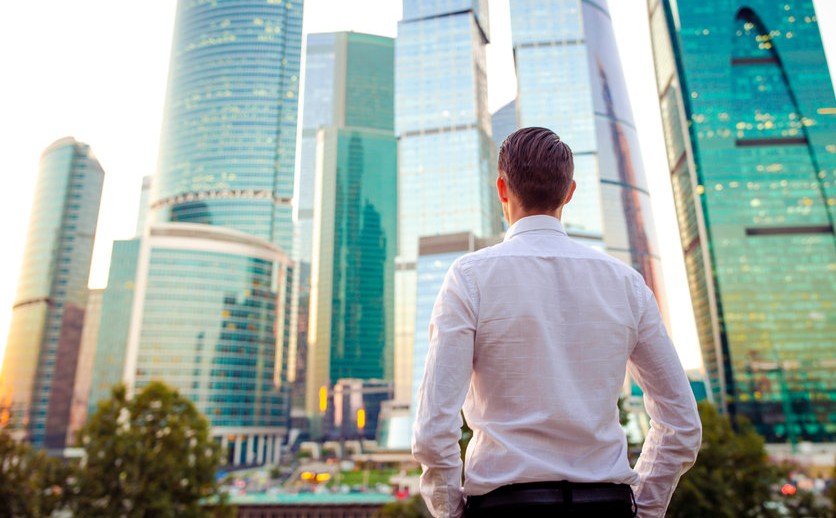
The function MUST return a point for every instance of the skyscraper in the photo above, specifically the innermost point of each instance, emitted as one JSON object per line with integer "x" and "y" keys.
{"x": 504, "y": 122}
{"x": 749, "y": 119}
{"x": 211, "y": 317}
{"x": 354, "y": 161}
{"x": 569, "y": 79}
{"x": 212, "y": 306}
{"x": 84, "y": 367}
{"x": 228, "y": 140}
{"x": 446, "y": 171}
{"x": 36, "y": 384}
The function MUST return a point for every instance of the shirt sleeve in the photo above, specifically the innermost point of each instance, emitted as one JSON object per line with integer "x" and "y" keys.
{"x": 675, "y": 435}
{"x": 437, "y": 428}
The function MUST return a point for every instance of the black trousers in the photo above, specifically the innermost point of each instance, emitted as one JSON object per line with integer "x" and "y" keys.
{"x": 553, "y": 499}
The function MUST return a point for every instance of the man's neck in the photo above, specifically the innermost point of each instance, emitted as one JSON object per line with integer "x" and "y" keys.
{"x": 515, "y": 214}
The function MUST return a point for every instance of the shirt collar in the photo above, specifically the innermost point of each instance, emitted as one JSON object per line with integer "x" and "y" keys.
{"x": 534, "y": 223}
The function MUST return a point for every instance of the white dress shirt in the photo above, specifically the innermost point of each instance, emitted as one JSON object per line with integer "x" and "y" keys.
{"x": 531, "y": 338}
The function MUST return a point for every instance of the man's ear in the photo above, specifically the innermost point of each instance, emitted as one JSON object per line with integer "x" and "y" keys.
{"x": 502, "y": 189}
{"x": 571, "y": 192}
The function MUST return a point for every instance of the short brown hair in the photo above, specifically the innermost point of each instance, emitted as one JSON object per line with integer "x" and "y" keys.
{"x": 537, "y": 167}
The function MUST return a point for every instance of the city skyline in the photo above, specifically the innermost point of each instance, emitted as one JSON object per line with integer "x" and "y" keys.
{"x": 119, "y": 108}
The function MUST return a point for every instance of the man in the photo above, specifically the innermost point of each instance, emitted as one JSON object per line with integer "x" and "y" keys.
{"x": 531, "y": 338}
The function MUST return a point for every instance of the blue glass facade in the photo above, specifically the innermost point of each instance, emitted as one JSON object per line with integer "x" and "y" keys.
{"x": 569, "y": 79}
{"x": 228, "y": 141}
{"x": 504, "y": 122}
{"x": 446, "y": 171}
{"x": 750, "y": 124}
{"x": 355, "y": 202}
{"x": 212, "y": 317}
{"x": 115, "y": 321}
{"x": 38, "y": 375}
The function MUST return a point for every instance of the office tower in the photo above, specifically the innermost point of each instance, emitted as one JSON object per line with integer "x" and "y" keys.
{"x": 84, "y": 370}
{"x": 503, "y": 123}
{"x": 114, "y": 322}
{"x": 212, "y": 308}
{"x": 211, "y": 317}
{"x": 228, "y": 140}
{"x": 351, "y": 319}
{"x": 749, "y": 119}
{"x": 446, "y": 176}
{"x": 569, "y": 79}
{"x": 144, "y": 199}
{"x": 36, "y": 384}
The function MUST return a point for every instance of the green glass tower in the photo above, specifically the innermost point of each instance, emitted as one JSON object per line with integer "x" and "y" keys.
{"x": 351, "y": 331}
{"x": 749, "y": 118}
{"x": 39, "y": 368}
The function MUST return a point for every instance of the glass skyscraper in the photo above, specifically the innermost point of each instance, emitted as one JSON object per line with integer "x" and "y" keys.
{"x": 569, "y": 79}
{"x": 749, "y": 118}
{"x": 38, "y": 375}
{"x": 228, "y": 141}
{"x": 114, "y": 322}
{"x": 446, "y": 173}
{"x": 354, "y": 233}
{"x": 212, "y": 317}
{"x": 213, "y": 311}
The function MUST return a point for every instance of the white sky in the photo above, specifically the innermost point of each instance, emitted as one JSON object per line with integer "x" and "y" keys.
{"x": 97, "y": 70}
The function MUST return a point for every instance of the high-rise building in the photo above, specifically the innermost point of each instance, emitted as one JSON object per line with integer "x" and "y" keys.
{"x": 749, "y": 119}
{"x": 211, "y": 317}
{"x": 114, "y": 321}
{"x": 447, "y": 174}
{"x": 144, "y": 199}
{"x": 212, "y": 308}
{"x": 351, "y": 322}
{"x": 228, "y": 140}
{"x": 569, "y": 79}
{"x": 504, "y": 122}
{"x": 84, "y": 368}
{"x": 36, "y": 384}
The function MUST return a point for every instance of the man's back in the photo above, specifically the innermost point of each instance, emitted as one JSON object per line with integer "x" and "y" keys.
{"x": 531, "y": 339}
{"x": 556, "y": 324}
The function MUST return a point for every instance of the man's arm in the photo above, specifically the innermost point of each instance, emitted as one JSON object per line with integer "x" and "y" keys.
{"x": 674, "y": 439}
{"x": 436, "y": 434}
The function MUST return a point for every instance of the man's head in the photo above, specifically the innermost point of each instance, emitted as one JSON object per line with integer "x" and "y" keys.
{"x": 537, "y": 168}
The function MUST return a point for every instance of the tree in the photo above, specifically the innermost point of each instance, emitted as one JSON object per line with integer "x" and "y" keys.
{"x": 732, "y": 476}
{"x": 412, "y": 507}
{"x": 31, "y": 483}
{"x": 150, "y": 455}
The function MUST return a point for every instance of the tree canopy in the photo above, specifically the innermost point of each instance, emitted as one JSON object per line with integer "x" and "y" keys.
{"x": 150, "y": 455}
{"x": 31, "y": 483}
{"x": 733, "y": 477}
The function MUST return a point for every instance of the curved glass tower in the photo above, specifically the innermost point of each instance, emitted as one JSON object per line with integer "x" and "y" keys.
{"x": 213, "y": 309}
{"x": 38, "y": 376}
{"x": 750, "y": 123}
{"x": 569, "y": 79}
{"x": 228, "y": 141}
{"x": 211, "y": 317}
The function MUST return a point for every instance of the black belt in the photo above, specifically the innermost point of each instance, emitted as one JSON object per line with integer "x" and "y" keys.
{"x": 552, "y": 493}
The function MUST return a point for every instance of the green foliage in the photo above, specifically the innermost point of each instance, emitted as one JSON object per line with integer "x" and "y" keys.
{"x": 412, "y": 507}
{"x": 805, "y": 504}
{"x": 732, "y": 476}
{"x": 31, "y": 483}
{"x": 150, "y": 455}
